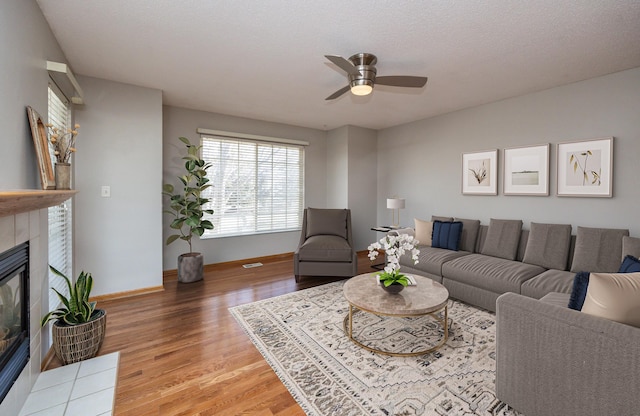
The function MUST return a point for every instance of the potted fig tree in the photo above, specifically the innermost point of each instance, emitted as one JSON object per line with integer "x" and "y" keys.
{"x": 78, "y": 327}
{"x": 186, "y": 207}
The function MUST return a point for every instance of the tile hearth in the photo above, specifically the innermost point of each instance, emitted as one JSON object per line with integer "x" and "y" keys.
{"x": 86, "y": 388}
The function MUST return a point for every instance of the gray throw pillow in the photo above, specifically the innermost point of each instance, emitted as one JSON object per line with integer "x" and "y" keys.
{"x": 598, "y": 250}
{"x": 630, "y": 247}
{"x": 443, "y": 219}
{"x": 548, "y": 245}
{"x": 469, "y": 234}
{"x": 502, "y": 239}
{"x": 326, "y": 221}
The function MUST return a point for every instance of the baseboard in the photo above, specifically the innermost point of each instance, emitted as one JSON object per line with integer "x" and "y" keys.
{"x": 127, "y": 294}
{"x": 47, "y": 359}
{"x": 172, "y": 274}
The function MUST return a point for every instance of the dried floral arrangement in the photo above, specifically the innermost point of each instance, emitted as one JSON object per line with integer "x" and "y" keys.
{"x": 63, "y": 142}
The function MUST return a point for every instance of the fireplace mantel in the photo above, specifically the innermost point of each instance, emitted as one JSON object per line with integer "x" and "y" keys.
{"x": 25, "y": 200}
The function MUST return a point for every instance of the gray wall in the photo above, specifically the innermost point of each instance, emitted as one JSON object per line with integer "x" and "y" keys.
{"x": 119, "y": 239}
{"x": 421, "y": 161}
{"x": 26, "y": 43}
{"x": 338, "y": 168}
{"x": 184, "y": 122}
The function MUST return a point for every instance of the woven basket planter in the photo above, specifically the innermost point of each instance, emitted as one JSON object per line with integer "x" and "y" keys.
{"x": 79, "y": 342}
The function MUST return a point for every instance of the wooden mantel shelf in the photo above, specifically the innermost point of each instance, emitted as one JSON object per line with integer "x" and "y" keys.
{"x": 25, "y": 200}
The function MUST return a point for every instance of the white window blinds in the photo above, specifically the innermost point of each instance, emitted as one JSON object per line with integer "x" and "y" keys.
{"x": 60, "y": 226}
{"x": 258, "y": 187}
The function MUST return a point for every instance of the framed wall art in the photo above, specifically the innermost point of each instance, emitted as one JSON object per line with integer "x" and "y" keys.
{"x": 41, "y": 143}
{"x": 480, "y": 173}
{"x": 526, "y": 170}
{"x": 585, "y": 168}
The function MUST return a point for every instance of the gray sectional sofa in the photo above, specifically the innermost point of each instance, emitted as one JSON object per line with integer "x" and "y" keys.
{"x": 550, "y": 360}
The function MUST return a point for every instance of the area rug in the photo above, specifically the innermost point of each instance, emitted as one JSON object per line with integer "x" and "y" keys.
{"x": 301, "y": 336}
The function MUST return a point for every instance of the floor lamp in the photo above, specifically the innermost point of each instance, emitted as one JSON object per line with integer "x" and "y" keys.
{"x": 395, "y": 204}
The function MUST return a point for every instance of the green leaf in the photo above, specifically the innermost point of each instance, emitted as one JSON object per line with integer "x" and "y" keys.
{"x": 172, "y": 238}
{"x": 168, "y": 188}
{"x": 184, "y": 140}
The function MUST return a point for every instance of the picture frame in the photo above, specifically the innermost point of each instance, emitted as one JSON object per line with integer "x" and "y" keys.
{"x": 526, "y": 170}
{"x": 41, "y": 143}
{"x": 585, "y": 168}
{"x": 480, "y": 173}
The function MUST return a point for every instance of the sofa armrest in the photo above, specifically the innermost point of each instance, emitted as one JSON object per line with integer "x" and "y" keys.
{"x": 551, "y": 360}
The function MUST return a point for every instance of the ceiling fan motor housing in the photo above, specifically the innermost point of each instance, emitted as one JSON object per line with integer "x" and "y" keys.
{"x": 364, "y": 63}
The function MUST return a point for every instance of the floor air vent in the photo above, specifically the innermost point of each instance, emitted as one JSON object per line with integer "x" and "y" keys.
{"x": 251, "y": 265}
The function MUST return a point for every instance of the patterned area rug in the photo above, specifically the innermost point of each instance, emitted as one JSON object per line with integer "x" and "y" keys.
{"x": 301, "y": 336}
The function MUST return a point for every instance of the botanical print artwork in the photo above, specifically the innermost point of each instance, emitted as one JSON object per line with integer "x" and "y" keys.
{"x": 479, "y": 172}
{"x": 585, "y": 168}
{"x": 525, "y": 170}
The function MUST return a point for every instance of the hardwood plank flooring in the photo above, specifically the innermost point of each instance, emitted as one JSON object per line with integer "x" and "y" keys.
{"x": 182, "y": 353}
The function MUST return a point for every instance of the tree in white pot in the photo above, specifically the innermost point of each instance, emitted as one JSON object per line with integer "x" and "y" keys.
{"x": 185, "y": 205}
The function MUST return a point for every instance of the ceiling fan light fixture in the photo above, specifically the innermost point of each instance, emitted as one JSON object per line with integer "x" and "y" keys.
{"x": 361, "y": 87}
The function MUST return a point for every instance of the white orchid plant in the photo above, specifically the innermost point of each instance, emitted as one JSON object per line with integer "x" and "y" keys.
{"x": 394, "y": 246}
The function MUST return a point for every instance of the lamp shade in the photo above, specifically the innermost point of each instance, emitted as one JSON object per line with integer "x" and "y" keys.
{"x": 395, "y": 203}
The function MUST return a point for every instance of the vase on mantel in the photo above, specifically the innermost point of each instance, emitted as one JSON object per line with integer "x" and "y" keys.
{"x": 63, "y": 175}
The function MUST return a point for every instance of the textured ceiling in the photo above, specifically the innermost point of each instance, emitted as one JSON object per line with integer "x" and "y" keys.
{"x": 264, "y": 59}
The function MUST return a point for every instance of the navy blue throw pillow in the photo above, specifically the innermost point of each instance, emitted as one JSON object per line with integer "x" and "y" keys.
{"x": 446, "y": 235}
{"x": 630, "y": 264}
{"x": 579, "y": 292}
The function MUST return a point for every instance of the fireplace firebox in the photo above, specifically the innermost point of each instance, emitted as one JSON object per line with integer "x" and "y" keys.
{"x": 14, "y": 315}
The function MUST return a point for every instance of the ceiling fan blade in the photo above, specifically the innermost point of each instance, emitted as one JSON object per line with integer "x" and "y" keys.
{"x": 345, "y": 65}
{"x": 338, "y": 93}
{"x": 402, "y": 81}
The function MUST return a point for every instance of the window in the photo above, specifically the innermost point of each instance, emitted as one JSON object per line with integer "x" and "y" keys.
{"x": 60, "y": 248}
{"x": 258, "y": 187}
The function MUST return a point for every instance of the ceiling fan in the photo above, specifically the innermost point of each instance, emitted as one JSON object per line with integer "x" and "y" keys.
{"x": 361, "y": 71}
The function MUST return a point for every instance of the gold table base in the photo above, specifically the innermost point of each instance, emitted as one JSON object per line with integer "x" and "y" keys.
{"x": 348, "y": 330}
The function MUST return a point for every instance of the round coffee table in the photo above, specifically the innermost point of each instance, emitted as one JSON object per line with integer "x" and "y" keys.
{"x": 426, "y": 297}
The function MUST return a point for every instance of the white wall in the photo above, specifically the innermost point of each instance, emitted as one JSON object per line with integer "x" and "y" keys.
{"x": 421, "y": 161}
{"x": 184, "y": 122}
{"x": 119, "y": 239}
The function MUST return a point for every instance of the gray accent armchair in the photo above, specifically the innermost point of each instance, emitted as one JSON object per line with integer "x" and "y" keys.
{"x": 326, "y": 245}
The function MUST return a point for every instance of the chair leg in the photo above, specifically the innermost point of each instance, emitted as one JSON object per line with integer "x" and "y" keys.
{"x": 297, "y": 278}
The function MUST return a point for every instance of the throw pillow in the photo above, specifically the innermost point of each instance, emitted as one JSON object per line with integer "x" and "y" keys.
{"x": 598, "y": 249}
{"x": 446, "y": 235}
{"x": 548, "y": 245}
{"x": 579, "y": 291}
{"x": 630, "y": 264}
{"x": 424, "y": 231}
{"x": 615, "y": 296}
{"x": 502, "y": 239}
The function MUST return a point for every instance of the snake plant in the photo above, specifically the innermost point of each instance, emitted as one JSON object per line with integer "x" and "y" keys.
{"x": 76, "y": 309}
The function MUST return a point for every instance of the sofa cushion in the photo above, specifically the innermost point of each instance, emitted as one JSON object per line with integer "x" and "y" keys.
{"x": 469, "y": 235}
{"x": 615, "y": 296}
{"x": 490, "y": 273}
{"x": 630, "y": 264}
{"x": 424, "y": 231}
{"x": 598, "y": 249}
{"x": 579, "y": 291}
{"x": 502, "y": 238}
{"x": 446, "y": 235}
{"x": 555, "y": 298}
{"x": 431, "y": 259}
{"x": 325, "y": 248}
{"x": 549, "y": 281}
{"x": 327, "y": 222}
{"x": 548, "y": 245}
{"x": 630, "y": 246}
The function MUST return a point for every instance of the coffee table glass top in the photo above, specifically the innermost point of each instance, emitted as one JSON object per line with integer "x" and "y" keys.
{"x": 424, "y": 297}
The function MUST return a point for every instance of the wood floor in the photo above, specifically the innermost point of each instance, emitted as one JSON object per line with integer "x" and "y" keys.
{"x": 182, "y": 353}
